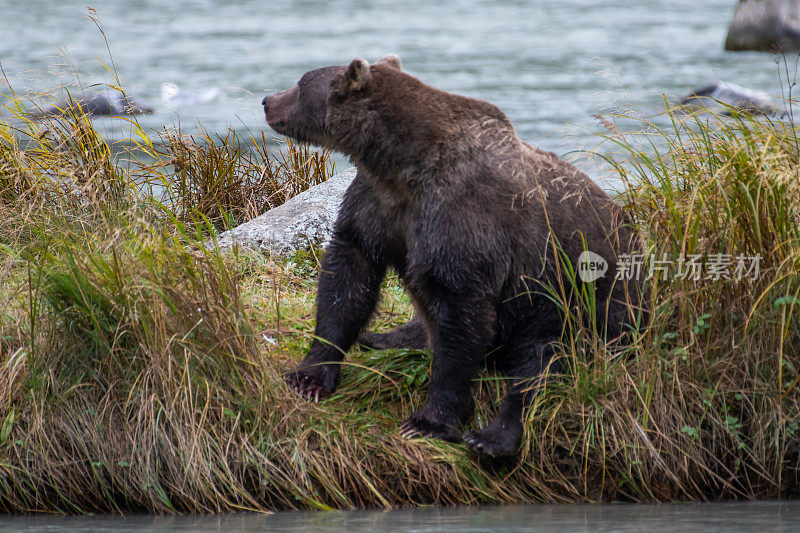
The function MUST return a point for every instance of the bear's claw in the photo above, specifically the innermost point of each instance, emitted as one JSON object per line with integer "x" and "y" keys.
{"x": 471, "y": 441}
{"x": 420, "y": 427}
{"x": 309, "y": 392}
{"x": 308, "y": 386}
{"x": 492, "y": 443}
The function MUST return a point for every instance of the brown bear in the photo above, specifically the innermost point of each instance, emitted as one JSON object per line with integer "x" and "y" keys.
{"x": 470, "y": 218}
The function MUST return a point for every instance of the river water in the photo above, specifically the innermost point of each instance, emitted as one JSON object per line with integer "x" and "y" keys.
{"x": 549, "y": 64}
{"x": 772, "y": 516}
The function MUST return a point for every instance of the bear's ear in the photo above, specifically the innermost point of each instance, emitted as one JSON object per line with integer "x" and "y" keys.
{"x": 392, "y": 60}
{"x": 357, "y": 75}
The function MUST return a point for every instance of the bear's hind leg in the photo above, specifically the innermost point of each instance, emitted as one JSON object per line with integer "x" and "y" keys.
{"x": 412, "y": 335}
{"x": 503, "y": 436}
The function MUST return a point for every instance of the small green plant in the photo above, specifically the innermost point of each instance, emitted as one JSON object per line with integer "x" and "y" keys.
{"x": 701, "y": 325}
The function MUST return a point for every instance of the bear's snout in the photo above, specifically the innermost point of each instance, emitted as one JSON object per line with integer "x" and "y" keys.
{"x": 268, "y": 101}
{"x": 277, "y": 107}
{"x": 270, "y": 111}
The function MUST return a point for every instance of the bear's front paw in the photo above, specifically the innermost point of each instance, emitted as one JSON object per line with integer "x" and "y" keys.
{"x": 313, "y": 382}
{"x": 418, "y": 425}
{"x": 495, "y": 440}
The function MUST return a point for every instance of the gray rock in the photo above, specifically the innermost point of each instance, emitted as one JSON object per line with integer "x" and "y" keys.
{"x": 724, "y": 97}
{"x": 304, "y": 221}
{"x": 765, "y": 25}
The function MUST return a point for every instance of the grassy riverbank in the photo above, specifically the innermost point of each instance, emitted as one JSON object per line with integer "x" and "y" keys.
{"x": 141, "y": 371}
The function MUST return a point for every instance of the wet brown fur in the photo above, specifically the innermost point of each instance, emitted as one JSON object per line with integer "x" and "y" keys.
{"x": 468, "y": 215}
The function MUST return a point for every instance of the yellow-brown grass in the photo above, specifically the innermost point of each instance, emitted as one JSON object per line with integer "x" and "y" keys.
{"x": 142, "y": 371}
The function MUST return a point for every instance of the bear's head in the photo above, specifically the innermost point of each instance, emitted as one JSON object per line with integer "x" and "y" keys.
{"x": 327, "y": 102}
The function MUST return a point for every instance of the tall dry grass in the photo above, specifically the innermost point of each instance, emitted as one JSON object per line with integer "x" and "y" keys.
{"x": 141, "y": 370}
{"x": 229, "y": 181}
{"x": 702, "y": 404}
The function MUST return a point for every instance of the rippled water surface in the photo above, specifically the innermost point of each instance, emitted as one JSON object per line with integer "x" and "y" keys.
{"x": 549, "y": 64}
{"x": 775, "y": 517}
